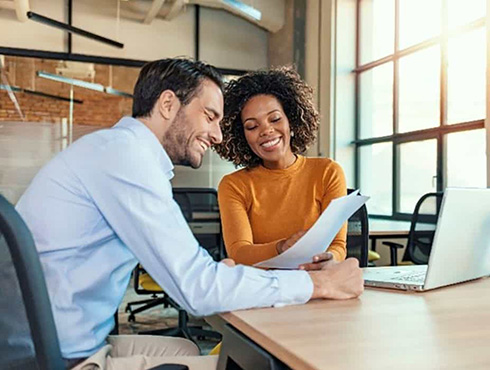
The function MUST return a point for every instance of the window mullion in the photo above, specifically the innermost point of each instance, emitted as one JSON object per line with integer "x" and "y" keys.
{"x": 357, "y": 99}
{"x": 395, "y": 163}
{"x": 441, "y": 148}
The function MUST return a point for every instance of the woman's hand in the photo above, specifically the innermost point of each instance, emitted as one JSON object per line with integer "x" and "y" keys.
{"x": 228, "y": 262}
{"x": 284, "y": 245}
{"x": 319, "y": 262}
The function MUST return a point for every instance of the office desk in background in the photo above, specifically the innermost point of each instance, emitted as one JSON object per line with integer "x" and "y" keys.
{"x": 443, "y": 328}
{"x": 387, "y": 229}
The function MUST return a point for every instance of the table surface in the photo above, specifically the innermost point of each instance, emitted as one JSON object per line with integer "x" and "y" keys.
{"x": 379, "y": 229}
{"x": 383, "y": 329}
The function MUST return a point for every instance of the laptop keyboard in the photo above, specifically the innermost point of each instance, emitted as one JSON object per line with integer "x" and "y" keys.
{"x": 417, "y": 277}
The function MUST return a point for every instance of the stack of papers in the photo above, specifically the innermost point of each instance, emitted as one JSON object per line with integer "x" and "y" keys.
{"x": 320, "y": 235}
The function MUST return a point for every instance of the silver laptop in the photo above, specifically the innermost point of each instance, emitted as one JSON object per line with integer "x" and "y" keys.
{"x": 460, "y": 251}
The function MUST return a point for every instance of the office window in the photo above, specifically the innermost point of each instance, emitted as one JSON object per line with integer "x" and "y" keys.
{"x": 419, "y": 85}
{"x": 375, "y": 169}
{"x": 466, "y": 76}
{"x": 420, "y": 101}
{"x": 418, "y": 172}
{"x": 419, "y": 20}
{"x": 466, "y": 159}
{"x": 377, "y": 29}
{"x": 376, "y": 101}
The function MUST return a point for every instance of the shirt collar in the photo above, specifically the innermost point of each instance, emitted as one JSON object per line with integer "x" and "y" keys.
{"x": 144, "y": 133}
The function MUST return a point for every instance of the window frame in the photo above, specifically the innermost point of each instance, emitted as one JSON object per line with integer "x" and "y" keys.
{"x": 439, "y": 132}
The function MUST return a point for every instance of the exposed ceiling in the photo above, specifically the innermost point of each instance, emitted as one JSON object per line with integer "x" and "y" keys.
{"x": 21, "y": 7}
{"x": 268, "y": 14}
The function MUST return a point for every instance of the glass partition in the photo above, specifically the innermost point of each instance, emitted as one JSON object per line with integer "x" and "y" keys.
{"x": 47, "y": 104}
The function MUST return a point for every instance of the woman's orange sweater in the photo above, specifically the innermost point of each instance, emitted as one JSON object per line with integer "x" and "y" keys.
{"x": 260, "y": 207}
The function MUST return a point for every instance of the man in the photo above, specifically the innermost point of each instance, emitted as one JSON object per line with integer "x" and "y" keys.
{"x": 106, "y": 203}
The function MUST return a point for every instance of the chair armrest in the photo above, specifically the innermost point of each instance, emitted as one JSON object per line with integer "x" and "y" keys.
{"x": 170, "y": 367}
{"x": 393, "y": 251}
{"x": 393, "y": 244}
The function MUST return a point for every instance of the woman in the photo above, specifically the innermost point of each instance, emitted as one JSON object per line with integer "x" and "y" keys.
{"x": 269, "y": 119}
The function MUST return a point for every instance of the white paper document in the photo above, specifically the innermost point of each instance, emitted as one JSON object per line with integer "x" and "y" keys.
{"x": 320, "y": 235}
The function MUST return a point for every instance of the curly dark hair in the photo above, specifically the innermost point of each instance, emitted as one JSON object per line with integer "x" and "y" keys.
{"x": 296, "y": 98}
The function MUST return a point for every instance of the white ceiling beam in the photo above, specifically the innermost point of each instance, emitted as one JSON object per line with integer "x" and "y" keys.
{"x": 154, "y": 9}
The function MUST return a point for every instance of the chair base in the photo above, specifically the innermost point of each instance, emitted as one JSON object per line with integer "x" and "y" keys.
{"x": 147, "y": 304}
{"x": 183, "y": 330}
{"x": 187, "y": 332}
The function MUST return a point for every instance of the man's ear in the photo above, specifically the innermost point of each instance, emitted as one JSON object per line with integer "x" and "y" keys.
{"x": 168, "y": 105}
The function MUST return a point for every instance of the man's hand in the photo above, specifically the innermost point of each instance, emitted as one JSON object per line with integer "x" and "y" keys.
{"x": 284, "y": 245}
{"x": 320, "y": 261}
{"x": 342, "y": 280}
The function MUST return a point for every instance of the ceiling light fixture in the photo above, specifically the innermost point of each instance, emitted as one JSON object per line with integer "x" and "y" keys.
{"x": 245, "y": 9}
{"x": 84, "y": 84}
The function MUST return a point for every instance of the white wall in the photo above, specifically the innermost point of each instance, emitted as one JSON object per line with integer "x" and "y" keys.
{"x": 487, "y": 120}
{"x": 32, "y": 35}
{"x": 344, "y": 121}
{"x": 229, "y": 41}
{"x": 320, "y": 67}
{"x": 330, "y": 58}
{"x": 160, "y": 39}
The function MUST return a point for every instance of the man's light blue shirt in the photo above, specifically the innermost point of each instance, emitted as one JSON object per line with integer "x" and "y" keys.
{"x": 106, "y": 203}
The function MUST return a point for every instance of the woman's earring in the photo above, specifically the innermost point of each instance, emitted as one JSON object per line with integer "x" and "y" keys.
{"x": 292, "y": 133}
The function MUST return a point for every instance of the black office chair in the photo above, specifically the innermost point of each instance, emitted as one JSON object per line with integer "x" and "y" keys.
{"x": 141, "y": 287}
{"x": 358, "y": 235}
{"x": 422, "y": 230}
{"x": 201, "y": 211}
{"x": 28, "y": 337}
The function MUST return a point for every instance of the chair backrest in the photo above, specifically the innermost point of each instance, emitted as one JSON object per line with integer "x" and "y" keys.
{"x": 358, "y": 235}
{"x": 422, "y": 228}
{"x": 28, "y": 337}
{"x": 201, "y": 211}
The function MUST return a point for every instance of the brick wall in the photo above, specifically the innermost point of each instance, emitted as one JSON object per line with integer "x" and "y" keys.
{"x": 98, "y": 109}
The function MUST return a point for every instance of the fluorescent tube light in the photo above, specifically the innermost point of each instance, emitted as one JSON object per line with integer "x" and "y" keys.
{"x": 245, "y": 9}
{"x": 84, "y": 84}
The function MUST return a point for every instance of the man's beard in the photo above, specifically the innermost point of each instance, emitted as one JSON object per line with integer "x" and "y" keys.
{"x": 176, "y": 142}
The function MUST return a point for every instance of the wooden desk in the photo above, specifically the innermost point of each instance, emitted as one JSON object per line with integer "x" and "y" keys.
{"x": 446, "y": 328}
